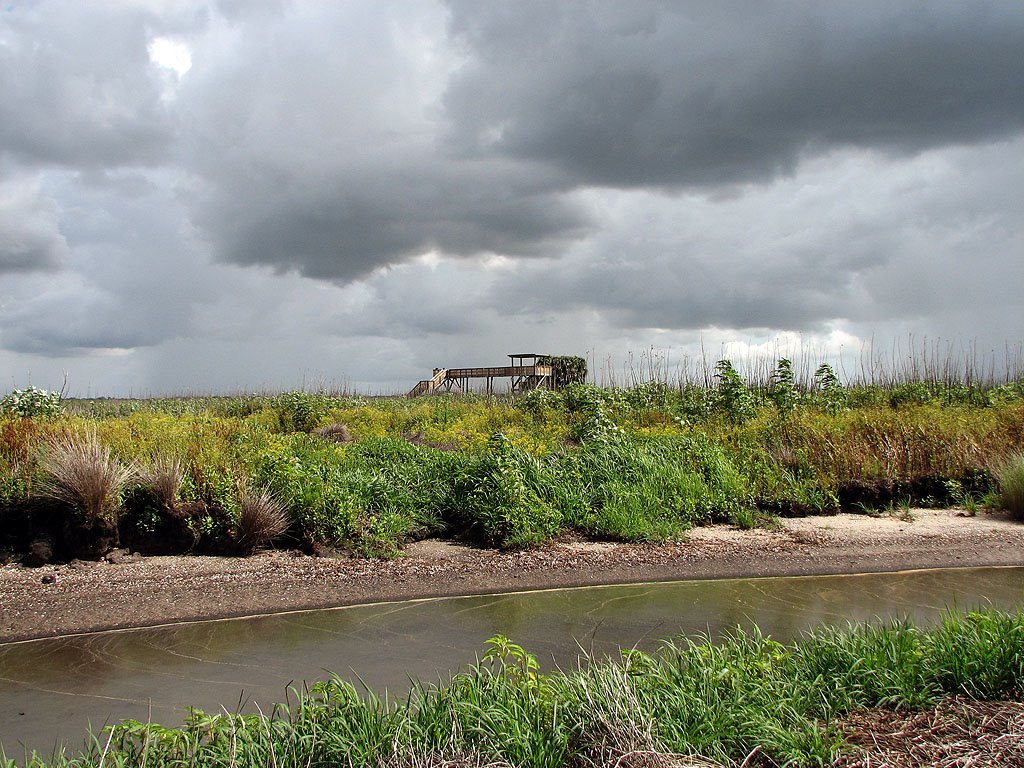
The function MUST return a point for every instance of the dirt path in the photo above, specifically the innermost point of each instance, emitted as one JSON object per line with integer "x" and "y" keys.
{"x": 83, "y": 597}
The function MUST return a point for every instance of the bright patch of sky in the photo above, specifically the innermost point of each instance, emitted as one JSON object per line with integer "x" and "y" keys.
{"x": 170, "y": 54}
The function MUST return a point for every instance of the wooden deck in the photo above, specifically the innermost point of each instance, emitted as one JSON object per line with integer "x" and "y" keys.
{"x": 499, "y": 372}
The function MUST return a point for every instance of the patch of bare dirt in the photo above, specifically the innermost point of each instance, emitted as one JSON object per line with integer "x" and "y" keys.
{"x": 957, "y": 733}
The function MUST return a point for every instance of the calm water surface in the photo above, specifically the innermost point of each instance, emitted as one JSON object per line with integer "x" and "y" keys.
{"x": 52, "y": 691}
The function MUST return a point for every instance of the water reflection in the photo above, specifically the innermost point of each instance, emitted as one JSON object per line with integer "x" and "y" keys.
{"x": 52, "y": 690}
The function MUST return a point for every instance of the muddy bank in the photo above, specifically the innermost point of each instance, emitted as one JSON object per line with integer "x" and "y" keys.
{"x": 90, "y": 596}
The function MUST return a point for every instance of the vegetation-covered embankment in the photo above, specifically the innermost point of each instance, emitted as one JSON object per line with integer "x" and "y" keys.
{"x": 368, "y": 475}
{"x": 745, "y": 701}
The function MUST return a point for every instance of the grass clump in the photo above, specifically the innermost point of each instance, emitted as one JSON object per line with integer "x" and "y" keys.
{"x": 163, "y": 478}
{"x": 335, "y": 433}
{"x": 84, "y": 474}
{"x": 500, "y": 498}
{"x": 1010, "y": 479}
{"x": 262, "y": 518}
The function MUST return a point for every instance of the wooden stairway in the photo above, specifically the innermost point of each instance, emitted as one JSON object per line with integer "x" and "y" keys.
{"x": 429, "y": 385}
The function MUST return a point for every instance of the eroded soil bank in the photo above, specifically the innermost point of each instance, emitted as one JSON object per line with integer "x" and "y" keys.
{"x": 90, "y": 596}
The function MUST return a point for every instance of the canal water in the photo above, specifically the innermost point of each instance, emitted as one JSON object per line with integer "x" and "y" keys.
{"x": 53, "y": 691}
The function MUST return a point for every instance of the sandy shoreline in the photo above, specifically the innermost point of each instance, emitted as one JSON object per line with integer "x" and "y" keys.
{"x": 87, "y": 597}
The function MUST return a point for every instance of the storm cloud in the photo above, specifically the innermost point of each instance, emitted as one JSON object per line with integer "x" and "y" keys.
{"x": 208, "y": 194}
{"x": 331, "y": 161}
{"x": 30, "y": 237}
{"x": 77, "y": 86}
{"x": 697, "y": 95}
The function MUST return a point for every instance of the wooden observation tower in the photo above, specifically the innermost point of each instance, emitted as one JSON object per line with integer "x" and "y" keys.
{"x": 523, "y": 370}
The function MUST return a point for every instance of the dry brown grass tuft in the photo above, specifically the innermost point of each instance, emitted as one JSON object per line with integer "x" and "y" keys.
{"x": 163, "y": 477}
{"x": 85, "y": 474}
{"x": 449, "y": 759}
{"x": 263, "y": 518}
{"x": 621, "y": 737}
{"x": 1010, "y": 476}
{"x": 335, "y": 433}
{"x": 957, "y": 733}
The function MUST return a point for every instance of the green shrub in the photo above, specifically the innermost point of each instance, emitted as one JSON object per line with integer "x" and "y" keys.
{"x": 566, "y": 369}
{"x": 539, "y": 403}
{"x": 696, "y": 405}
{"x": 645, "y": 488}
{"x": 371, "y": 497}
{"x": 830, "y": 391}
{"x": 732, "y": 396}
{"x": 783, "y": 391}
{"x": 500, "y": 499}
{"x": 32, "y": 403}
{"x": 300, "y": 411}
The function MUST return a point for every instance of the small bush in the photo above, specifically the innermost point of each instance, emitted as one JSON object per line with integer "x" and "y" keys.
{"x": 539, "y": 403}
{"x": 732, "y": 397}
{"x": 502, "y": 501}
{"x": 566, "y": 369}
{"x": 832, "y": 395}
{"x": 83, "y": 473}
{"x": 783, "y": 391}
{"x": 32, "y": 403}
{"x": 263, "y": 518}
{"x": 1010, "y": 477}
{"x": 300, "y": 411}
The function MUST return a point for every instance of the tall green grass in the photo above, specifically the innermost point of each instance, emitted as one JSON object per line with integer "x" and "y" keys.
{"x": 723, "y": 702}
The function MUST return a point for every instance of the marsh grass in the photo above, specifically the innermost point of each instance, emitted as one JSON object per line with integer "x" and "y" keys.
{"x": 1010, "y": 478}
{"x": 83, "y": 473}
{"x": 163, "y": 477}
{"x": 746, "y": 700}
{"x": 262, "y": 518}
{"x": 642, "y": 464}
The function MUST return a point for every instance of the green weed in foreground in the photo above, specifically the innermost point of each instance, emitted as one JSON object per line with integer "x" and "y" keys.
{"x": 720, "y": 701}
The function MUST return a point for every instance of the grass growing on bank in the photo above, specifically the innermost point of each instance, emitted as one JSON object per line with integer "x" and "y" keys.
{"x": 638, "y": 464}
{"x": 747, "y": 700}
{"x": 1010, "y": 479}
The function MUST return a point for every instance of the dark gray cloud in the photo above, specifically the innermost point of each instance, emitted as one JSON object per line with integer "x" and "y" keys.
{"x": 30, "y": 237}
{"x": 77, "y": 87}
{"x": 344, "y": 231}
{"x": 324, "y": 158}
{"x": 862, "y": 240}
{"x": 127, "y": 276}
{"x": 703, "y": 94}
{"x": 335, "y": 160}
{"x": 223, "y": 193}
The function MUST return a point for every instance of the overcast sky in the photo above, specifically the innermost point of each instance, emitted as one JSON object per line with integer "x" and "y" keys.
{"x": 238, "y": 195}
